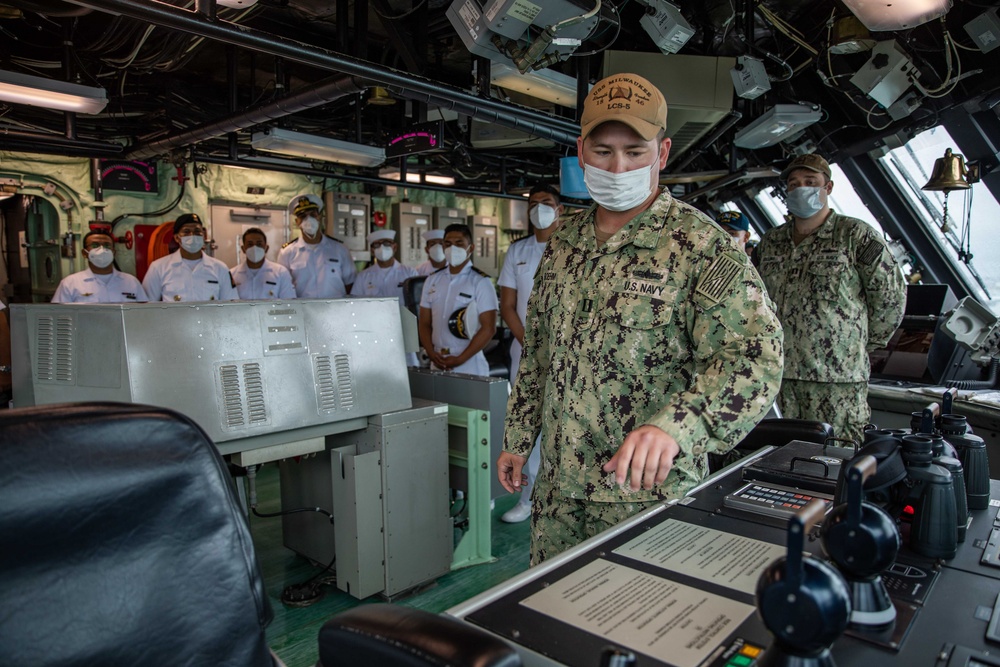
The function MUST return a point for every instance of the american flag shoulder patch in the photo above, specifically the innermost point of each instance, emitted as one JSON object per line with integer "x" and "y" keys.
{"x": 870, "y": 252}
{"x": 718, "y": 278}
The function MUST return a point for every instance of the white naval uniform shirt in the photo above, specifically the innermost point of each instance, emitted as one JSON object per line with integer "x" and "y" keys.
{"x": 319, "y": 270}
{"x": 426, "y": 269}
{"x": 376, "y": 281}
{"x": 172, "y": 278}
{"x": 270, "y": 281}
{"x": 518, "y": 273}
{"x": 444, "y": 293}
{"x": 89, "y": 287}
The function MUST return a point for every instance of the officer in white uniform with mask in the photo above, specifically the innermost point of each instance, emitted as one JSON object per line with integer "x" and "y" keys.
{"x": 100, "y": 282}
{"x": 258, "y": 277}
{"x": 385, "y": 276}
{"x": 321, "y": 267}
{"x": 434, "y": 247}
{"x": 458, "y": 309}
{"x": 189, "y": 274}
{"x": 517, "y": 277}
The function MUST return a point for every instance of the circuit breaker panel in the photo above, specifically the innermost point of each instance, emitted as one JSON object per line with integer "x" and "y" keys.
{"x": 410, "y": 222}
{"x": 347, "y": 221}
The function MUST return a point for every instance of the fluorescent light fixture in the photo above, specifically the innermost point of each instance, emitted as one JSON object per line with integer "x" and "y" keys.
{"x": 412, "y": 177}
{"x": 545, "y": 84}
{"x": 36, "y": 91}
{"x": 777, "y": 124}
{"x": 324, "y": 149}
{"x": 883, "y": 15}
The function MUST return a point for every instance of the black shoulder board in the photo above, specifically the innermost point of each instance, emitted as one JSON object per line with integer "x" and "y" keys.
{"x": 480, "y": 272}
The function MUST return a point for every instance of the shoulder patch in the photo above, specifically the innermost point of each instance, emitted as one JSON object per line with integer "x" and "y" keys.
{"x": 718, "y": 278}
{"x": 870, "y": 251}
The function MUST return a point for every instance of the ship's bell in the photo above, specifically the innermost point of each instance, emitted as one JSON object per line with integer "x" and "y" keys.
{"x": 948, "y": 174}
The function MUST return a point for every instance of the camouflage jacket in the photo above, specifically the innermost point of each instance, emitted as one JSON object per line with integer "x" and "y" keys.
{"x": 666, "y": 324}
{"x": 839, "y": 295}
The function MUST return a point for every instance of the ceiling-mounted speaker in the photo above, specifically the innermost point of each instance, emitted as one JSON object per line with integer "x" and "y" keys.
{"x": 380, "y": 97}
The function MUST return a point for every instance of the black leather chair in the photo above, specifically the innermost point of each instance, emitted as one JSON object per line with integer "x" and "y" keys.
{"x": 777, "y": 432}
{"x": 123, "y": 543}
{"x": 413, "y": 288}
{"x": 392, "y": 636}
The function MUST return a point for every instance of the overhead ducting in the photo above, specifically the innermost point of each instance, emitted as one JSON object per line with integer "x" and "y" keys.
{"x": 403, "y": 84}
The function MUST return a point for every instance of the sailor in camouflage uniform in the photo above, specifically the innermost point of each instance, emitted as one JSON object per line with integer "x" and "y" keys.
{"x": 649, "y": 340}
{"x": 839, "y": 295}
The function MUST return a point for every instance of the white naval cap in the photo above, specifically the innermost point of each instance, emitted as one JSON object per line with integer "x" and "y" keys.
{"x": 433, "y": 235}
{"x": 382, "y": 235}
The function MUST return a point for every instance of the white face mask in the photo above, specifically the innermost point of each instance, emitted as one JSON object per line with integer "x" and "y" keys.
{"x": 255, "y": 253}
{"x": 542, "y": 216}
{"x": 436, "y": 253}
{"x": 804, "y": 202}
{"x": 193, "y": 244}
{"x": 309, "y": 226}
{"x": 383, "y": 253}
{"x": 100, "y": 257}
{"x": 619, "y": 192}
{"x": 457, "y": 255}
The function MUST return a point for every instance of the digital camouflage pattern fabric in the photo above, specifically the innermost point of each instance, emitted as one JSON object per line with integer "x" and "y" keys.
{"x": 843, "y": 405}
{"x": 665, "y": 324}
{"x": 839, "y": 294}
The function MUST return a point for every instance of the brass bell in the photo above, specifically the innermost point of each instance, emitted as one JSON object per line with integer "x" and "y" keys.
{"x": 948, "y": 174}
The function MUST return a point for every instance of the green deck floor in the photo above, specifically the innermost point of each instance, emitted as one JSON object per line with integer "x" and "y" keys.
{"x": 292, "y": 634}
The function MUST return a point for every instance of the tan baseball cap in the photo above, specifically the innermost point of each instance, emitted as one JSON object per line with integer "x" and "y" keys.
{"x": 626, "y": 98}
{"x": 809, "y": 161}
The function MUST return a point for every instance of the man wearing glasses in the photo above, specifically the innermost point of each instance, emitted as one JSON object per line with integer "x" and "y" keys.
{"x": 189, "y": 274}
{"x": 100, "y": 282}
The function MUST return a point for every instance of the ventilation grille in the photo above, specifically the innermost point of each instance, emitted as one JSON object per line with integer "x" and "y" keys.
{"x": 54, "y": 361}
{"x": 688, "y": 133}
{"x": 243, "y": 402}
{"x": 334, "y": 384}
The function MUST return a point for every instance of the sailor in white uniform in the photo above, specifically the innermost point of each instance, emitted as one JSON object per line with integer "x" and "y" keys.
{"x": 517, "y": 277}
{"x": 321, "y": 267}
{"x": 386, "y": 275}
{"x": 458, "y": 309}
{"x": 189, "y": 274}
{"x": 100, "y": 282}
{"x": 434, "y": 247}
{"x": 258, "y": 277}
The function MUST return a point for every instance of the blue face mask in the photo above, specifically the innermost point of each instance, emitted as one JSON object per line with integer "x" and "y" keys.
{"x": 804, "y": 202}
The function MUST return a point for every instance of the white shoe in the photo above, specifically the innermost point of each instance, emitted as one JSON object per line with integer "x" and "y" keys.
{"x": 517, "y": 513}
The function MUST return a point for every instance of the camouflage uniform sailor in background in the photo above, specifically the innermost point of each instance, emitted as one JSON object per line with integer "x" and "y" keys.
{"x": 839, "y": 294}
{"x": 649, "y": 341}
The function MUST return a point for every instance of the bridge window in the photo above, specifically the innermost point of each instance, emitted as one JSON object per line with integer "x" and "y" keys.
{"x": 973, "y": 214}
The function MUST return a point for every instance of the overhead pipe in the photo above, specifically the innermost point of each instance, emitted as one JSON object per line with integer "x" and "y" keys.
{"x": 405, "y": 84}
{"x": 318, "y": 95}
{"x": 53, "y": 144}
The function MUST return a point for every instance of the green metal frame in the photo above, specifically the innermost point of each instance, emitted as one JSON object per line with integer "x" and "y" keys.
{"x": 475, "y": 547}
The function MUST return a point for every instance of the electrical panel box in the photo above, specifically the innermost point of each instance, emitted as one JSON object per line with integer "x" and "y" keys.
{"x": 480, "y": 23}
{"x": 444, "y": 216}
{"x": 486, "y": 236}
{"x": 667, "y": 27}
{"x": 750, "y": 78}
{"x": 347, "y": 220}
{"x": 887, "y": 74}
{"x": 985, "y": 30}
{"x": 410, "y": 222}
{"x": 514, "y": 214}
